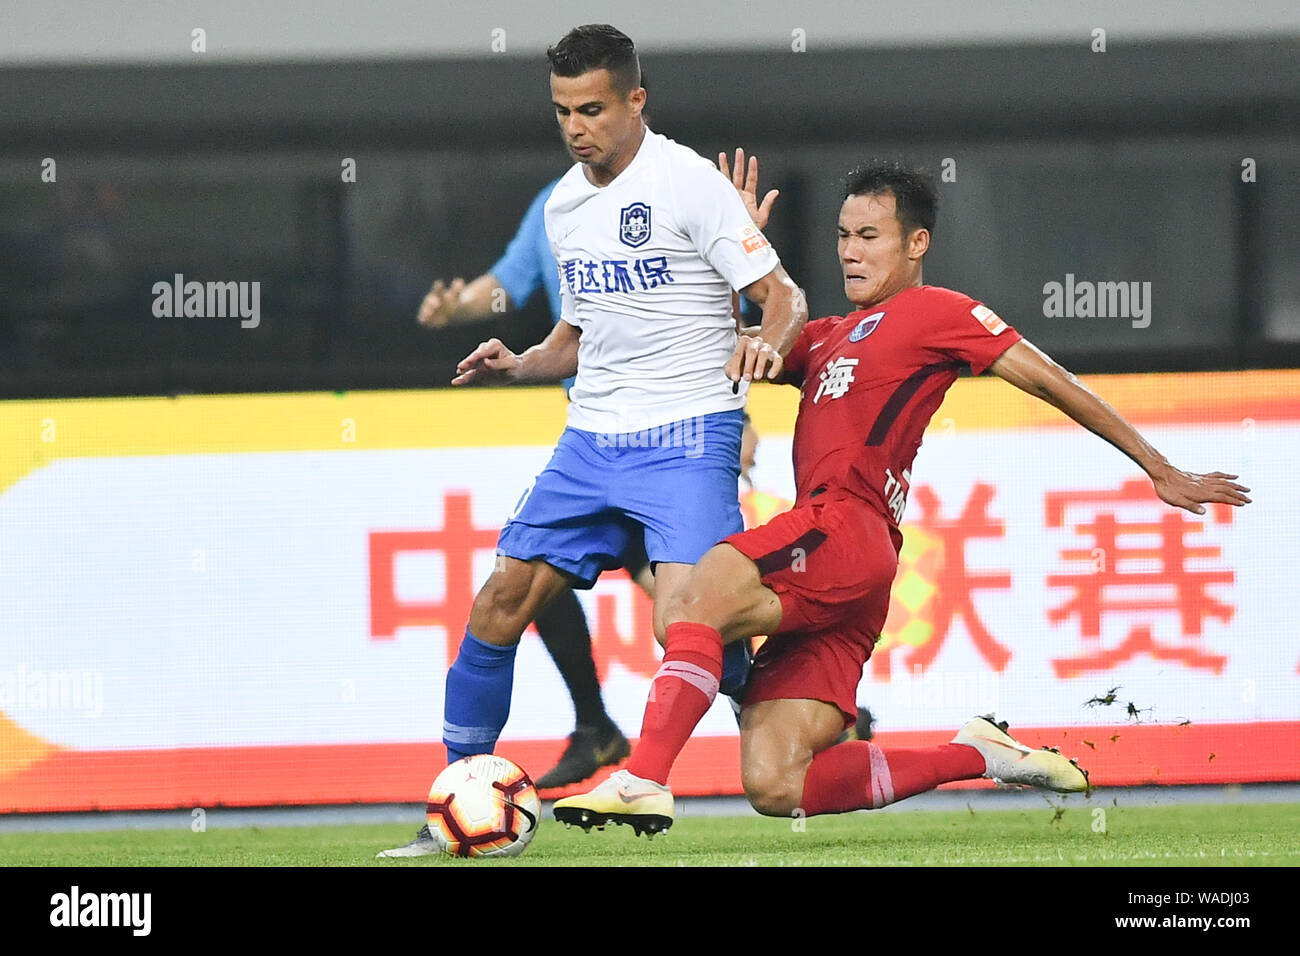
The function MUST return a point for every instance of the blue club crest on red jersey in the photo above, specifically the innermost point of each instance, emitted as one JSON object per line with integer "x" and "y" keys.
{"x": 865, "y": 327}
{"x": 634, "y": 224}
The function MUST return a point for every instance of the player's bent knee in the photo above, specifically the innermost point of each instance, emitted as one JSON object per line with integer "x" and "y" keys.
{"x": 685, "y": 605}
{"x": 778, "y": 742}
{"x": 772, "y": 793}
{"x": 688, "y": 600}
{"x": 697, "y": 608}
{"x": 710, "y": 596}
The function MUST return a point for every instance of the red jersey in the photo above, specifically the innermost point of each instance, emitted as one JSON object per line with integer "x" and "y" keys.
{"x": 869, "y": 383}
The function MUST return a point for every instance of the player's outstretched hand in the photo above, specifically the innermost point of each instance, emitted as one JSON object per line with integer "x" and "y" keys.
{"x": 753, "y": 359}
{"x": 489, "y": 364}
{"x": 440, "y": 303}
{"x": 746, "y": 183}
{"x": 1192, "y": 492}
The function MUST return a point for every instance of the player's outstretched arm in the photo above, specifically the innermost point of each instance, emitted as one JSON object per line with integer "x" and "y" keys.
{"x": 785, "y": 312}
{"x": 1030, "y": 370}
{"x": 553, "y": 359}
{"x": 461, "y": 302}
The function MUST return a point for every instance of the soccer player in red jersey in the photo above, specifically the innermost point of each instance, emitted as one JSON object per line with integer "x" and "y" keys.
{"x": 818, "y": 576}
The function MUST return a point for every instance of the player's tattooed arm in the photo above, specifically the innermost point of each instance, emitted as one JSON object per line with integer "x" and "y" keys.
{"x": 553, "y": 359}
{"x": 1032, "y": 371}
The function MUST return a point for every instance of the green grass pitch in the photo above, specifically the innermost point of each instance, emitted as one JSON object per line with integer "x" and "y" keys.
{"x": 1180, "y": 835}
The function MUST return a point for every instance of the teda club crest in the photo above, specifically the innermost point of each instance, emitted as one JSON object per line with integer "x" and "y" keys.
{"x": 634, "y": 225}
{"x": 865, "y": 327}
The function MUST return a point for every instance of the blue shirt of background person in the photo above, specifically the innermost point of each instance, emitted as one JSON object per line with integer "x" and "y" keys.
{"x": 527, "y": 262}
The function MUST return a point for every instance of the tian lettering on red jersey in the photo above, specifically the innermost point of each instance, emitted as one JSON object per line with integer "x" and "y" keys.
{"x": 870, "y": 382}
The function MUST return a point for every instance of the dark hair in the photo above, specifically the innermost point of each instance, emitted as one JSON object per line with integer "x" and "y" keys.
{"x": 916, "y": 197}
{"x": 597, "y": 46}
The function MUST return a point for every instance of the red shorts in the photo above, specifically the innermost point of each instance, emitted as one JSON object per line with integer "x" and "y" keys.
{"x": 832, "y": 564}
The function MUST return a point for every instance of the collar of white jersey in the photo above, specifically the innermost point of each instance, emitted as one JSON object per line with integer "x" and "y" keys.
{"x": 642, "y": 157}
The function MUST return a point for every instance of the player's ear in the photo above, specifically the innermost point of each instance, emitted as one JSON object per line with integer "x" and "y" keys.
{"x": 918, "y": 243}
{"x": 636, "y": 99}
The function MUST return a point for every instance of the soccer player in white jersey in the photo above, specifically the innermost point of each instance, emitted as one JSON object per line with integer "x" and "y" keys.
{"x": 650, "y": 239}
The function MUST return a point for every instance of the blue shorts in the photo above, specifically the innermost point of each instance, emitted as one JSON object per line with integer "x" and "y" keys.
{"x": 676, "y": 484}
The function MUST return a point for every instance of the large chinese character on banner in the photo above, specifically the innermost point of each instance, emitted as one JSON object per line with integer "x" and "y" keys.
{"x": 455, "y": 543}
{"x": 1138, "y": 566}
{"x": 934, "y": 585}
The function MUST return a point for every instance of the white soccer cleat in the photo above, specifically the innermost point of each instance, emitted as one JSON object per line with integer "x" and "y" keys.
{"x": 1007, "y": 761}
{"x": 423, "y": 845}
{"x": 645, "y": 806}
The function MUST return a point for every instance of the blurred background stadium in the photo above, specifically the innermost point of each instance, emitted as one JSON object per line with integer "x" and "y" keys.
{"x": 1122, "y": 164}
{"x": 206, "y": 579}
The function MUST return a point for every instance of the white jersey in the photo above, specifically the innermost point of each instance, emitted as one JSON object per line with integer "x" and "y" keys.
{"x": 647, "y": 265}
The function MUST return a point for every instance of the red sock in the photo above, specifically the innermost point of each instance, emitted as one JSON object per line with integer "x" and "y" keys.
{"x": 858, "y": 775}
{"x": 681, "y": 693}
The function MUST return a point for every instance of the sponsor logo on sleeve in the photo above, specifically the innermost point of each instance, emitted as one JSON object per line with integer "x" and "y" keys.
{"x": 751, "y": 240}
{"x": 989, "y": 319}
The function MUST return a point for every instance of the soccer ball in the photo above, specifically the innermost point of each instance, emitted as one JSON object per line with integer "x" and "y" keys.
{"x": 483, "y": 806}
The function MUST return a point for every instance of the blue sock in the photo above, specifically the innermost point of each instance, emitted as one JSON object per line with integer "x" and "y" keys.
{"x": 477, "y": 701}
{"x": 735, "y": 669}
